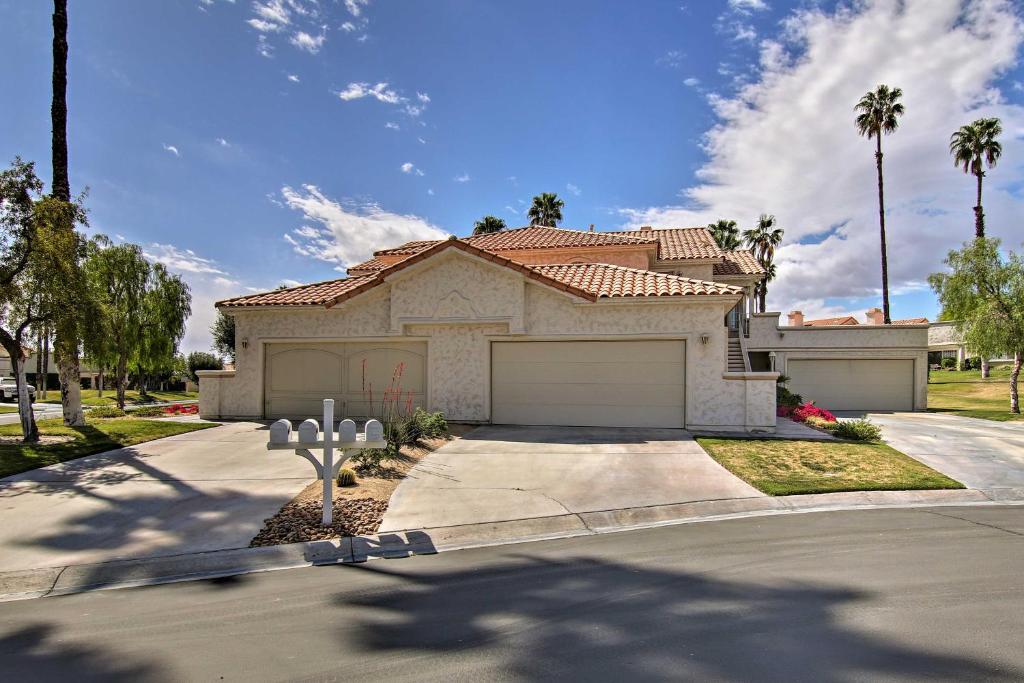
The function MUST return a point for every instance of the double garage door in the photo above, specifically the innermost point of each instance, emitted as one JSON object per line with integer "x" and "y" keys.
{"x": 588, "y": 383}
{"x": 861, "y": 384}
{"x": 297, "y": 377}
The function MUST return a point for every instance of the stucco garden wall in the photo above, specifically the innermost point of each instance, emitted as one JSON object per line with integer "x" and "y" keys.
{"x": 844, "y": 342}
{"x": 458, "y": 304}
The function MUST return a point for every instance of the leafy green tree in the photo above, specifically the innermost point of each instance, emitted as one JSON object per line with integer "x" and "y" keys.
{"x": 200, "y": 360}
{"x": 117, "y": 276}
{"x": 546, "y": 210}
{"x": 487, "y": 225}
{"x": 223, "y": 331}
{"x": 166, "y": 305}
{"x": 972, "y": 147}
{"x": 879, "y": 112}
{"x": 984, "y": 293}
{"x": 726, "y": 234}
{"x": 763, "y": 239}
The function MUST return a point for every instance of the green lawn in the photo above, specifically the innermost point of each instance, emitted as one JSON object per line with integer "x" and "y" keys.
{"x": 8, "y": 409}
{"x": 783, "y": 468}
{"x": 966, "y": 393}
{"x": 109, "y": 398}
{"x": 97, "y": 436}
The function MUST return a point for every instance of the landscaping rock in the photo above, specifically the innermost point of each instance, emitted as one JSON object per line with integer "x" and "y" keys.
{"x": 299, "y": 521}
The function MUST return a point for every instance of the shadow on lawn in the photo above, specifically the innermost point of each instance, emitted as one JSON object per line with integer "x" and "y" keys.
{"x": 588, "y": 619}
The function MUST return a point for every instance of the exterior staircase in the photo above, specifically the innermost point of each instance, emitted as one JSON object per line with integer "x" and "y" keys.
{"x": 735, "y": 361}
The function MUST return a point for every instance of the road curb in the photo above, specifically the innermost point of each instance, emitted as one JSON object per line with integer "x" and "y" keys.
{"x": 52, "y": 581}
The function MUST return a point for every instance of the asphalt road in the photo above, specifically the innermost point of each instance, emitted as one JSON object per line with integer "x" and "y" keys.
{"x": 871, "y": 595}
{"x": 42, "y": 411}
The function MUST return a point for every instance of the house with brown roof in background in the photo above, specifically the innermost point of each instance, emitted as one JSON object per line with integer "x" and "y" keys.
{"x": 551, "y": 326}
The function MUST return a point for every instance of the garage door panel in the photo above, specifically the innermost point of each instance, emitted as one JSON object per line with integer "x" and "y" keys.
{"x": 618, "y": 384}
{"x": 590, "y": 394}
{"x": 591, "y": 373}
{"x": 854, "y": 384}
{"x": 299, "y": 376}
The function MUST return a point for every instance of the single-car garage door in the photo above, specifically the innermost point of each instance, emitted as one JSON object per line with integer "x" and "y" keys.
{"x": 860, "y": 384}
{"x": 588, "y": 383}
{"x": 298, "y": 377}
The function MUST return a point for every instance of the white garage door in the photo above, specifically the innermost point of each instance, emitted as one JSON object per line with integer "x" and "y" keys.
{"x": 588, "y": 383}
{"x": 854, "y": 384}
{"x": 298, "y": 377}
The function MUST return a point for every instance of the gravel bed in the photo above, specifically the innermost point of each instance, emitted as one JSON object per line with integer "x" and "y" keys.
{"x": 300, "y": 521}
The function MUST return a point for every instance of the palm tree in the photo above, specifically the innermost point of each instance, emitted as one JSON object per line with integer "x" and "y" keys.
{"x": 879, "y": 111}
{"x": 970, "y": 146}
{"x": 487, "y": 225}
{"x": 762, "y": 240}
{"x": 726, "y": 234}
{"x": 66, "y": 340}
{"x": 546, "y": 209}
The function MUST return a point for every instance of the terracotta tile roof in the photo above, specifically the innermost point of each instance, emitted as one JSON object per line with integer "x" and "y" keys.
{"x": 739, "y": 262}
{"x": 531, "y": 237}
{"x": 589, "y": 281}
{"x": 315, "y": 294}
{"x": 911, "y": 321}
{"x": 606, "y": 281}
{"x": 366, "y": 267}
{"x": 680, "y": 243}
{"x": 842, "y": 320}
{"x": 408, "y": 247}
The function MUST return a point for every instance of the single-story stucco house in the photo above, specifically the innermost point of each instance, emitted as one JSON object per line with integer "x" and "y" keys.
{"x": 549, "y": 326}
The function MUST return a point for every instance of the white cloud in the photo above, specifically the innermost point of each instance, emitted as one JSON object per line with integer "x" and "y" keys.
{"x": 390, "y": 125}
{"x": 349, "y": 232}
{"x": 692, "y": 82}
{"x": 355, "y": 7}
{"x": 430, "y": 192}
{"x": 408, "y": 167}
{"x": 463, "y": 178}
{"x": 672, "y": 59}
{"x": 223, "y": 143}
{"x": 293, "y": 78}
{"x": 172, "y": 149}
{"x": 423, "y": 97}
{"x": 348, "y": 27}
{"x": 292, "y": 283}
{"x": 573, "y": 189}
{"x": 264, "y": 26}
{"x": 380, "y": 92}
{"x": 786, "y": 144}
{"x": 264, "y": 47}
{"x": 422, "y": 141}
{"x": 180, "y": 260}
{"x": 307, "y": 42}
{"x": 747, "y": 6}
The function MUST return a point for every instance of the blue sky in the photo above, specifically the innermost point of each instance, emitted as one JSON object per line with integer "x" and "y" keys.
{"x": 248, "y": 144}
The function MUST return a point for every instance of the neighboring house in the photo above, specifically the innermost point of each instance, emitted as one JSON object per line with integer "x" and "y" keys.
{"x": 945, "y": 342}
{"x": 87, "y": 373}
{"x": 537, "y": 325}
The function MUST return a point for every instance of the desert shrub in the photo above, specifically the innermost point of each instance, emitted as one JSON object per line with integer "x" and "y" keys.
{"x": 807, "y": 410}
{"x": 148, "y": 411}
{"x": 346, "y": 477}
{"x": 949, "y": 363}
{"x": 821, "y": 423}
{"x": 785, "y": 397}
{"x": 409, "y": 431}
{"x": 858, "y": 430}
{"x": 106, "y": 411}
{"x": 371, "y": 459}
{"x": 431, "y": 425}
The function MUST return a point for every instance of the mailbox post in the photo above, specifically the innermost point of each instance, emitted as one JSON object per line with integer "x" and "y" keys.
{"x": 347, "y": 440}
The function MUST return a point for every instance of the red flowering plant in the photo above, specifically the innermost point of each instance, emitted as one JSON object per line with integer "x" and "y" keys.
{"x": 182, "y": 409}
{"x": 806, "y": 410}
{"x": 394, "y": 410}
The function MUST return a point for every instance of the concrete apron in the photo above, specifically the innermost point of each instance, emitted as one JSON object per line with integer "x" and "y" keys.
{"x": 51, "y": 581}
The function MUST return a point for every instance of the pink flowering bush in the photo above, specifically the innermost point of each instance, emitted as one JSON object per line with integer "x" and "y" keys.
{"x": 803, "y": 411}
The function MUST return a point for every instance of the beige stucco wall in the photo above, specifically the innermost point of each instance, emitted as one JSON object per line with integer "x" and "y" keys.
{"x": 844, "y": 342}
{"x": 617, "y": 256}
{"x": 697, "y": 271}
{"x": 458, "y": 304}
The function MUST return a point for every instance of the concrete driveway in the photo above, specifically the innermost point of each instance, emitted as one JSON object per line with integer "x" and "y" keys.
{"x": 981, "y": 454}
{"x": 497, "y": 473}
{"x": 205, "y": 490}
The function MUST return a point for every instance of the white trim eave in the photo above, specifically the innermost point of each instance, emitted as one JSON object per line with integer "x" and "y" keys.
{"x": 773, "y": 376}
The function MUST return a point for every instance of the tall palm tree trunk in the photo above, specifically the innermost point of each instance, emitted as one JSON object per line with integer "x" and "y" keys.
{"x": 979, "y": 215}
{"x": 881, "y": 224}
{"x": 762, "y": 295}
{"x": 66, "y": 338}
